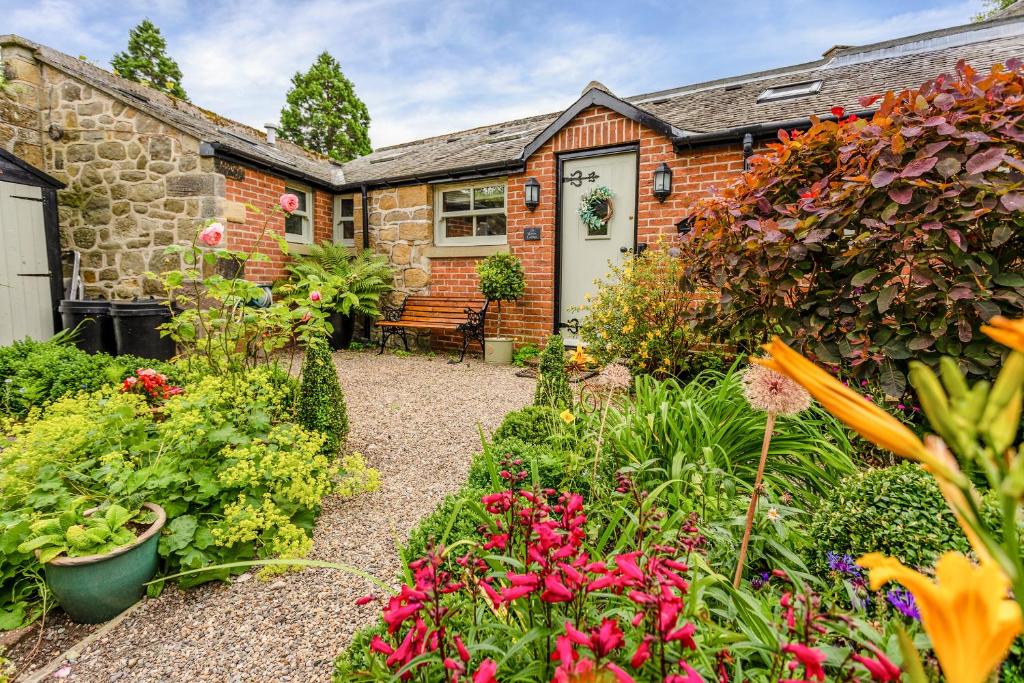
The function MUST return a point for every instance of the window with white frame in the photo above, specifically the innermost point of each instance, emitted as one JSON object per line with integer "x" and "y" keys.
{"x": 344, "y": 220}
{"x": 470, "y": 214}
{"x": 298, "y": 226}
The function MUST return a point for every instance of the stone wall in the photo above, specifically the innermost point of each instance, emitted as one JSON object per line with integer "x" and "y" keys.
{"x": 19, "y": 106}
{"x": 402, "y": 226}
{"x": 134, "y": 186}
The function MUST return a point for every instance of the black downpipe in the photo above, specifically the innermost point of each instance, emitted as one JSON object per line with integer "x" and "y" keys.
{"x": 367, "y": 323}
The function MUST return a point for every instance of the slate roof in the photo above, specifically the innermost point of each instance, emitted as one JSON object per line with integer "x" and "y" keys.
{"x": 698, "y": 111}
{"x": 223, "y": 134}
{"x": 846, "y": 73}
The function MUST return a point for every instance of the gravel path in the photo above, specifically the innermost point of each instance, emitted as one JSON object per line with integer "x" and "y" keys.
{"x": 415, "y": 420}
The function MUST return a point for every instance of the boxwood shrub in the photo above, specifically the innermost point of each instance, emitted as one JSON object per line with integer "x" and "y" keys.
{"x": 897, "y": 511}
{"x": 532, "y": 424}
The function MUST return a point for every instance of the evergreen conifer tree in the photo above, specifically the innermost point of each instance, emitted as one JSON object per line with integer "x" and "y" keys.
{"x": 146, "y": 61}
{"x": 552, "y": 381}
{"x": 324, "y": 114}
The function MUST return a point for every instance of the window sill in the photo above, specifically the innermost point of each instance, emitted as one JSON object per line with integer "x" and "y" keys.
{"x": 465, "y": 251}
{"x": 298, "y": 248}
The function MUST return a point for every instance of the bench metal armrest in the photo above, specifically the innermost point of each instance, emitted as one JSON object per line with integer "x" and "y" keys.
{"x": 393, "y": 314}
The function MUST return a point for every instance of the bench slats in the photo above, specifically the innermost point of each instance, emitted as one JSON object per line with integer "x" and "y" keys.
{"x": 436, "y": 313}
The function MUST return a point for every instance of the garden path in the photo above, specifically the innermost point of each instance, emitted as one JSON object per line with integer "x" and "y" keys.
{"x": 415, "y": 419}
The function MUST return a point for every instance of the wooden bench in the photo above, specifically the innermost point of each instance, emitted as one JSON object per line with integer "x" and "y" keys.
{"x": 456, "y": 313}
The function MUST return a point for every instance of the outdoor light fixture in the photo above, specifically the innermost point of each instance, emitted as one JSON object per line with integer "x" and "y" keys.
{"x": 684, "y": 226}
{"x": 662, "y": 182}
{"x": 531, "y": 192}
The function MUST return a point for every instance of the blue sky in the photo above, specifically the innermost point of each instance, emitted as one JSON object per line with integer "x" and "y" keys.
{"x": 430, "y": 67}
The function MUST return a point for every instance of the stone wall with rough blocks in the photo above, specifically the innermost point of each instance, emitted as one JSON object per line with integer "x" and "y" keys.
{"x": 402, "y": 226}
{"x": 19, "y": 106}
{"x": 134, "y": 186}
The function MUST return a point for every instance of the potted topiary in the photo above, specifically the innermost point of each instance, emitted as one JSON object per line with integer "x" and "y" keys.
{"x": 501, "y": 279}
{"x": 98, "y": 561}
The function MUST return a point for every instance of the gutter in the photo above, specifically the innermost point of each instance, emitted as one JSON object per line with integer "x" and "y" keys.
{"x": 219, "y": 149}
{"x": 461, "y": 173}
{"x": 769, "y": 129}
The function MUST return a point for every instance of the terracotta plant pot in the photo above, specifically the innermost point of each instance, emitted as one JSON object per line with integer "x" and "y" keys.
{"x": 96, "y": 588}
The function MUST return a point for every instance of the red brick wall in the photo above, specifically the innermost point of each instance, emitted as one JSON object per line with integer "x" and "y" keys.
{"x": 694, "y": 174}
{"x": 264, "y": 191}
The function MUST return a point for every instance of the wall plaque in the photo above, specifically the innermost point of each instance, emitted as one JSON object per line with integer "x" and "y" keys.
{"x": 531, "y": 234}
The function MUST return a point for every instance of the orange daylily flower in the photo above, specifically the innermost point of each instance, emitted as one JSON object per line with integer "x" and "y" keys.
{"x": 1007, "y": 332}
{"x": 853, "y": 409}
{"x": 965, "y": 611}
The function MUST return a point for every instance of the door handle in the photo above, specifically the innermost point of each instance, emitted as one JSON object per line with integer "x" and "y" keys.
{"x": 46, "y": 274}
{"x": 624, "y": 250}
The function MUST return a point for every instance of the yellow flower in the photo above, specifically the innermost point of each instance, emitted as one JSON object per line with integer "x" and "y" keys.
{"x": 568, "y": 417}
{"x": 966, "y": 613}
{"x": 1007, "y": 332}
{"x": 860, "y": 414}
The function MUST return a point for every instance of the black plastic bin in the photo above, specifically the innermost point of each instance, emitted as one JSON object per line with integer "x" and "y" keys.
{"x": 94, "y": 328}
{"x": 137, "y": 328}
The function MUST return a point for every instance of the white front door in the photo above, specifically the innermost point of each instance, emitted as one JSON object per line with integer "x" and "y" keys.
{"x": 26, "y": 309}
{"x": 586, "y": 250}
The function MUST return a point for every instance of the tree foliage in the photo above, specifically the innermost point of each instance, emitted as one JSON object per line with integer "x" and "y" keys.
{"x": 146, "y": 61}
{"x": 869, "y": 241}
{"x": 324, "y": 114}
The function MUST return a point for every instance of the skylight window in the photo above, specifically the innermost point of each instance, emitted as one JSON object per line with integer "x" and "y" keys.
{"x": 785, "y": 92}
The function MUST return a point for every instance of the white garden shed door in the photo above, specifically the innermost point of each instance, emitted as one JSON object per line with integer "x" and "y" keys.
{"x": 26, "y": 309}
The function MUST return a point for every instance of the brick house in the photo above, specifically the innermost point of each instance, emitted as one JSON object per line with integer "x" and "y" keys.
{"x": 436, "y": 206}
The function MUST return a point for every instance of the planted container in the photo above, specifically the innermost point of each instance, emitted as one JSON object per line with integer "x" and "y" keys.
{"x": 498, "y": 350}
{"x": 96, "y": 588}
{"x": 137, "y": 328}
{"x": 94, "y": 328}
{"x": 344, "y": 329}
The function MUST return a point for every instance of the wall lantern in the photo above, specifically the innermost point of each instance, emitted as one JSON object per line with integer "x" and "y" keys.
{"x": 531, "y": 192}
{"x": 662, "y": 182}
{"x": 684, "y": 226}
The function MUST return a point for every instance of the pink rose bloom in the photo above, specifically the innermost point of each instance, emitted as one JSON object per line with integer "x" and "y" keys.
{"x": 314, "y": 296}
{"x": 289, "y": 202}
{"x": 212, "y": 234}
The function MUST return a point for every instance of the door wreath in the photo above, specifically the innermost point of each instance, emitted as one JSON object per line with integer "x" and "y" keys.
{"x": 596, "y": 210}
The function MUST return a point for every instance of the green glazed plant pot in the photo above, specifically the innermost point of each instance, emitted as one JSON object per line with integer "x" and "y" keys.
{"x": 96, "y": 588}
{"x": 498, "y": 350}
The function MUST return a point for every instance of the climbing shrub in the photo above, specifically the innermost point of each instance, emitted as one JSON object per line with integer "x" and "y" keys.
{"x": 552, "y": 381}
{"x": 321, "y": 403}
{"x": 871, "y": 240}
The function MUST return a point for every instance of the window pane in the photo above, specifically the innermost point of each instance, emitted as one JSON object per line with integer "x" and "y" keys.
{"x": 490, "y": 225}
{"x": 347, "y": 207}
{"x": 293, "y": 225}
{"x": 455, "y": 200}
{"x": 300, "y": 194}
{"x": 491, "y": 197}
{"x": 460, "y": 226}
{"x": 348, "y": 230}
